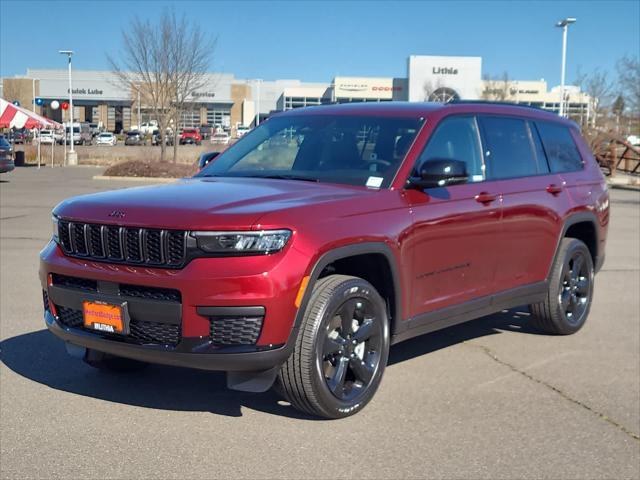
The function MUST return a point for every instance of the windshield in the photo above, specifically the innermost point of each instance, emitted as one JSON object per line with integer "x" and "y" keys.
{"x": 133, "y": 133}
{"x": 105, "y": 135}
{"x": 45, "y": 132}
{"x": 351, "y": 150}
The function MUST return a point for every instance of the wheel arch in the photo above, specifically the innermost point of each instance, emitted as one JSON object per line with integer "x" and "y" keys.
{"x": 584, "y": 227}
{"x": 349, "y": 260}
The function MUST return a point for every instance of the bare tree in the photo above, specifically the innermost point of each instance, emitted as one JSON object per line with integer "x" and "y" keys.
{"x": 191, "y": 54}
{"x": 598, "y": 86}
{"x": 145, "y": 68}
{"x": 628, "y": 68}
{"x": 10, "y": 91}
{"x": 497, "y": 88}
{"x": 165, "y": 63}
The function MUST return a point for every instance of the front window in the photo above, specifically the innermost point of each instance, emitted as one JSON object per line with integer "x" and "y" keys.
{"x": 353, "y": 150}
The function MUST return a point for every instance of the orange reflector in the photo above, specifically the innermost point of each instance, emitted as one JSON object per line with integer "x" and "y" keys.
{"x": 301, "y": 290}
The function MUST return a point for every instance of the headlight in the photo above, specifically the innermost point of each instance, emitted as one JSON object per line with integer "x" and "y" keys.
{"x": 263, "y": 241}
{"x": 56, "y": 225}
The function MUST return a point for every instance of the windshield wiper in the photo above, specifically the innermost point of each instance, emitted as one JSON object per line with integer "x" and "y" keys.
{"x": 288, "y": 177}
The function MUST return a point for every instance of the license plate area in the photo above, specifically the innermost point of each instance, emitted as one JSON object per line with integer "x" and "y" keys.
{"x": 106, "y": 317}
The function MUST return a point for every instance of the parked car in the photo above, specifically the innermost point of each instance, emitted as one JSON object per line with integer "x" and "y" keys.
{"x": 221, "y": 138}
{"x": 95, "y": 129}
{"x": 19, "y": 136}
{"x": 148, "y": 127}
{"x": 634, "y": 140}
{"x": 81, "y": 134}
{"x": 205, "y": 132}
{"x": 190, "y": 136}
{"x": 47, "y": 137}
{"x": 106, "y": 138}
{"x": 302, "y": 262}
{"x": 168, "y": 138}
{"x": 6, "y": 156}
{"x": 135, "y": 137}
{"x": 205, "y": 158}
{"x": 241, "y": 131}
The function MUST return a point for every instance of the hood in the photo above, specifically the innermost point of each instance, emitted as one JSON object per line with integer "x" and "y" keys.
{"x": 204, "y": 203}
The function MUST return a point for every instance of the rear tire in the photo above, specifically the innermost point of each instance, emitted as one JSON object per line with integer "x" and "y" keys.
{"x": 111, "y": 363}
{"x": 341, "y": 349}
{"x": 568, "y": 301}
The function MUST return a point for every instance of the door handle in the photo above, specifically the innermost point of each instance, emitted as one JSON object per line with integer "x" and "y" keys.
{"x": 485, "y": 198}
{"x": 554, "y": 189}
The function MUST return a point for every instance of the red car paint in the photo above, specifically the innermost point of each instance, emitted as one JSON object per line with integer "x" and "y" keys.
{"x": 190, "y": 134}
{"x": 490, "y": 236}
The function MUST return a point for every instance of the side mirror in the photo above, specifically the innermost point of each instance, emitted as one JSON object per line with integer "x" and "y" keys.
{"x": 440, "y": 172}
{"x": 206, "y": 158}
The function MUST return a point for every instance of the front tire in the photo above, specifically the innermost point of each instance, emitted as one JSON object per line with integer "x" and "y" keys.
{"x": 341, "y": 349}
{"x": 566, "y": 308}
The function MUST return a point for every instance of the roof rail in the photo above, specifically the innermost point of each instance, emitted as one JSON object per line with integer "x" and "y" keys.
{"x": 491, "y": 102}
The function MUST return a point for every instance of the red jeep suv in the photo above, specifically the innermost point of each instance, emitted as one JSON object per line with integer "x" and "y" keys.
{"x": 326, "y": 235}
{"x": 190, "y": 135}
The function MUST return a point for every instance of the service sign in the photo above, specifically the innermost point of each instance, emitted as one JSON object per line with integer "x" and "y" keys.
{"x": 361, "y": 87}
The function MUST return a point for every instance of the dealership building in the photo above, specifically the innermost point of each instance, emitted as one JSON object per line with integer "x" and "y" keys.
{"x": 99, "y": 97}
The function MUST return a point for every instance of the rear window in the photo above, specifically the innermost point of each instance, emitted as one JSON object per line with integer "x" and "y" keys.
{"x": 509, "y": 148}
{"x": 105, "y": 135}
{"x": 560, "y": 147}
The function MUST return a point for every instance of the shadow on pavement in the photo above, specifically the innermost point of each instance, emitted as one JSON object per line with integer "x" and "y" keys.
{"x": 41, "y": 357}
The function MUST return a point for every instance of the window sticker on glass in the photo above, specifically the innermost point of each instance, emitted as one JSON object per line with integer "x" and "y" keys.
{"x": 374, "y": 182}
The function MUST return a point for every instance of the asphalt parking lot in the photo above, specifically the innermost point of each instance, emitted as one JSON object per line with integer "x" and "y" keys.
{"x": 489, "y": 399}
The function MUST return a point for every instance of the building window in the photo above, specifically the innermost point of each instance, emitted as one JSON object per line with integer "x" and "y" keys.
{"x": 190, "y": 119}
{"x": 299, "y": 102}
{"x": 217, "y": 115}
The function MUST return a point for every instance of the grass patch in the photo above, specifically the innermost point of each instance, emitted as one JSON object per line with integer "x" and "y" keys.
{"x": 145, "y": 168}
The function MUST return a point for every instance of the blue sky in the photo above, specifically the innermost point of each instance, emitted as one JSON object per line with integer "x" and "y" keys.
{"x": 315, "y": 41}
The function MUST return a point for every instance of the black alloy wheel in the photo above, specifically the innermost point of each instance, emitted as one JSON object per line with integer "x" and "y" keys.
{"x": 351, "y": 349}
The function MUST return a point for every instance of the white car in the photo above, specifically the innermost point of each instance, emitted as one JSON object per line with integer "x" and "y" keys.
{"x": 106, "y": 138}
{"x": 634, "y": 140}
{"x": 221, "y": 138}
{"x": 147, "y": 127}
{"x": 241, "y": 131}
{"x": 47, "y": 137}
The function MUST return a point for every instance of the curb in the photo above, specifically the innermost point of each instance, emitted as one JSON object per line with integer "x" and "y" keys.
{"x": 136, "y": 179}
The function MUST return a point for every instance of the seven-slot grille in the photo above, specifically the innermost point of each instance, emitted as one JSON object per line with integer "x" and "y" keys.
{"x": 123, "y": 244}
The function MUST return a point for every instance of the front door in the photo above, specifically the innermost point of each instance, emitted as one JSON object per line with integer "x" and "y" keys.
{"x": 451, "y": 245}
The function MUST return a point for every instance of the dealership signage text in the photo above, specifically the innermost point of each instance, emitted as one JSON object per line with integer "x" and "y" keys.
{"x": 86, "y": 91}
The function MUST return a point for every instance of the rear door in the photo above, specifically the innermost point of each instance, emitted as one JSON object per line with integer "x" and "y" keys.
{"x": 532, "y": 200}
{"x": 451, "y": 245}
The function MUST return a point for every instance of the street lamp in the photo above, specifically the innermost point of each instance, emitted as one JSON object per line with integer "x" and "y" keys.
{"x": 73, "y": 158}
{"x": 565, "y": 25}
{"x": 258, "y": 82}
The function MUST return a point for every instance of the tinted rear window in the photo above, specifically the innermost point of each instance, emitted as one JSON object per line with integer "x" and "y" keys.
{"x": 560, "y": 147}
{"x": 509, "y": 149}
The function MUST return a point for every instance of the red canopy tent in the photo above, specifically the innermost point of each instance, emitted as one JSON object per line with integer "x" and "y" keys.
{"x": 13, "y": 116}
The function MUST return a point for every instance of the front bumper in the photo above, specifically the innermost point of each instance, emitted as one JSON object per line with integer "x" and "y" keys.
{"x": 208, "y": 288}
{"x": 191, "y": 353}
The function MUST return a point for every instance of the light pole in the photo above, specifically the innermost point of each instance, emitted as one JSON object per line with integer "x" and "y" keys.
{"x": 73, "y": 157}
{"x": 258, "y": 82}
{"x": 565, "y": 26}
